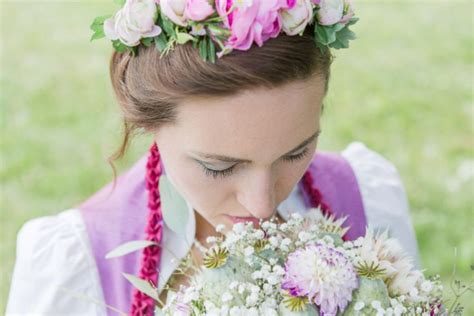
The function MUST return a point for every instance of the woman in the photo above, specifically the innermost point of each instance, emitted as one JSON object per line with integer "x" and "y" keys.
{"x": 237, "y": 140}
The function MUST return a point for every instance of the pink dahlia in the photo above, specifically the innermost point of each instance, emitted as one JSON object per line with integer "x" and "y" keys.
{"x": 323, "y": 274}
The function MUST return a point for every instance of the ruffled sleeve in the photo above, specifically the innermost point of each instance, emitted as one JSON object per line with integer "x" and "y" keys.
{"x": 52, "y": 253}
{"x": 383, "y": 196}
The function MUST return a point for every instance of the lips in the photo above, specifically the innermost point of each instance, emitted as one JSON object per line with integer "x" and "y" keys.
{"x": 239, "y": 219}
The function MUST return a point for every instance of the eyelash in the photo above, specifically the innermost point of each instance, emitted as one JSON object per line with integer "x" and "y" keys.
{"x": 229, "y": 171}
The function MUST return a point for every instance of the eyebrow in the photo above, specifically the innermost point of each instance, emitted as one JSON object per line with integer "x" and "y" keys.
{"x": 239, "y": 160}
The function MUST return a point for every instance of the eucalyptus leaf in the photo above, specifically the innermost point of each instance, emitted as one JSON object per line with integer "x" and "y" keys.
{"x": 182, "y": 38}
{"x": 173, "y": 206}
{"x": 98, "y": 22}
{"x": 342, "y": 39}
{"x": 325, "y": 34}
{"x": 147, "y": 41}
{"x": 129, "y": 247}
{"x": 119, "y": 46}
{"x": 352, "y": 21}
{"x": 161, "y": 41}
{"x": 97, "y": 35}
{"x": 212, "y": 51}
{"x": 142, "y": 286}
{"x": 167, "y": 25}
{"x": 203, "y": 49}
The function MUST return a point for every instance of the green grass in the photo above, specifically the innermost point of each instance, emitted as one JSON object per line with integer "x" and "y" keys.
{"x": 404, "y": 88}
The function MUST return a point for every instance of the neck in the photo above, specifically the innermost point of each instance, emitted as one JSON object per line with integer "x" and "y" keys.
{"x": 204, "y": 229}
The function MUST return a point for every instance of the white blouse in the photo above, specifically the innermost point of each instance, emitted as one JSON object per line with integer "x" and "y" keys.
{"x": 55, "y": 271}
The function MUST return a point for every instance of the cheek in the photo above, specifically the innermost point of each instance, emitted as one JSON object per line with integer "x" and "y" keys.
{"x": 290, "y": 174}
{"x": 204, "y": 193}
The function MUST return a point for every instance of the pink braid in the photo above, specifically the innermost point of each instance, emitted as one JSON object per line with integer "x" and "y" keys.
{"x": 143, "y": 304}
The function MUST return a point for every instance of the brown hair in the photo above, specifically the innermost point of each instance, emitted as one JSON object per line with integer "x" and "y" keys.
{"x": 149, "y": 88}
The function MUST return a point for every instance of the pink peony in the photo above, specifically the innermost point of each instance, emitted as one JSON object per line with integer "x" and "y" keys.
{"x": 198, "y": 10}
{"x": 252, "y": 21}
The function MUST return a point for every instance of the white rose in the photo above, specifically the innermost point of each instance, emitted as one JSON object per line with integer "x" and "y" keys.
{"x": 295, "y": 19}
{"x": 174, "y": 10}
{"x": 135, "y": 20}
{"x": 330, "y": 11}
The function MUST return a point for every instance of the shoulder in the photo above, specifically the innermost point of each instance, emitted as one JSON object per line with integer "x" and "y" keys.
{"x": 53, "y": 267}
{"x": 383, "y": 194}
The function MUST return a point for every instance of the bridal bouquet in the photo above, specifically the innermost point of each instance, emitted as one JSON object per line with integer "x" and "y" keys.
{"x": 304, "y": 267}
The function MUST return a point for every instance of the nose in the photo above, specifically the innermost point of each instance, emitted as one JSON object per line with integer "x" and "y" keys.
{"x": 258, "y": 194}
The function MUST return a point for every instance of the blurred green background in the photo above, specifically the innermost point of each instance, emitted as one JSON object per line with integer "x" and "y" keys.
{"x": 405, "y": 88}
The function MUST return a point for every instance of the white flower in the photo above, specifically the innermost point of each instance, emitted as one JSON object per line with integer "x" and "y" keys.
{"x": 257, "y": 275}
{"x": 285, "y": 243}
{"x": 279, "y": 270}
{"x": 235, "y": 311}
{"x": 238, "y": 228}
{"x": 388, "y": 254}
{"x": 248, "y": 251}
{"x": 330, "y": 11}
{"x": 294, "y": 20}
{"x": 413, "y": 292}
{"x": 174, "y": 10}
{"x": 226, "y": 297}
{"x": 272, "y": 279}
{"x": 267, "y": 289}
{"x": 134, "y": 21}
{"x": 304, "y": 236}
{"x": 359, "y": 305}
{"x": 252, "y": 299}
{"x": 220, "y": 228}
{"x": 426, "y": 286}
{"x": 274, "y": 241}
{"x": 376, "y": 304}
{"x": 211, "y": 239}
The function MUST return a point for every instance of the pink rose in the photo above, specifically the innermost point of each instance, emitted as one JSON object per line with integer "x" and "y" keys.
{"x": 174, "y": 10}
{"x": 348, "y": 11}
{"x": 294, "y": 20}
{"x": 251, "y": 21}
{"x": 198, "y": 10}
{"x": 330, "y": 11}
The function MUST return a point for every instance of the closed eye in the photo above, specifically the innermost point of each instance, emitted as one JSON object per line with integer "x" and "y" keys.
{"x": 227, "y": 172}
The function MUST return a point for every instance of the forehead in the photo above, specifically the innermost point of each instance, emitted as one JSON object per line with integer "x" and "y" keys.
{"x": 241, "y": 124}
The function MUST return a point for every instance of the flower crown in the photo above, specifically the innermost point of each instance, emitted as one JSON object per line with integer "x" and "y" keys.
{"x": 223, "y": 24}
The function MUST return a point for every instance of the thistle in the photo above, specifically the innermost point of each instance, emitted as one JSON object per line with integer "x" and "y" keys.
{"x": 374, "y": 271}
{"x": 216, "y": 257}
{"x": 260, "y": 245}
{"x": 295, "y": 303}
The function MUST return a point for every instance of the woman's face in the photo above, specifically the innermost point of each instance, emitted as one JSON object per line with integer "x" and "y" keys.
{"x": 240, "y": 156}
